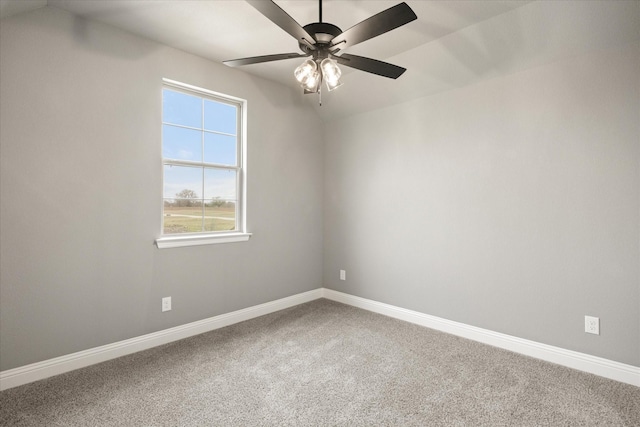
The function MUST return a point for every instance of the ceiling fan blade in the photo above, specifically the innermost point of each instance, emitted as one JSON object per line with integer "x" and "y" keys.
{"x": 380, "y": 23}
{"x": 369, "y": 65}
{"x": 264, "y": 58}
{"x": 282, "y": 19}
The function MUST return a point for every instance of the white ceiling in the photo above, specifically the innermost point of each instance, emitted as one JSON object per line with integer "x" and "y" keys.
{"x": 451, "y": 44}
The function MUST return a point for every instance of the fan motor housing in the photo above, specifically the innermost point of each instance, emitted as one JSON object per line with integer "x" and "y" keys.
{"x": 322, "y": 32}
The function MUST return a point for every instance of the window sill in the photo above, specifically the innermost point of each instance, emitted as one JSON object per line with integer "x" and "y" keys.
{"x": 166, "y": 242}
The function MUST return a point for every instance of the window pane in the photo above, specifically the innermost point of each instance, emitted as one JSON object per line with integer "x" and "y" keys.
{"x": 220, "y": 117}
{"x": 219, "y": 184}
{"x": 220, "y": 199}
{"x": 180, "y": 143}
{"x": 220, "y": 215}
{"x": 181, "y": 109}
{"x": 182, "y": 182}
{"x": 181, "y": 219}
{"x": 220, "y": 149}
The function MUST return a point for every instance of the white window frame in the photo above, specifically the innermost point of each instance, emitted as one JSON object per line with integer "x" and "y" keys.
{"x": 209, "y": 238}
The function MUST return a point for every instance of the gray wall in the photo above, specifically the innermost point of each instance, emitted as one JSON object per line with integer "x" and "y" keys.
{"x": 80, "y": 109}
{"x": 511, "y": 205}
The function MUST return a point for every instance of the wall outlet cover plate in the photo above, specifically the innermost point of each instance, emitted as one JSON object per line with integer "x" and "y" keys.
{"x": 592, "y": 325}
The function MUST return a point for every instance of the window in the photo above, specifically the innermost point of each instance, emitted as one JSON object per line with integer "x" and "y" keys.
{"x": 204, "y": 167}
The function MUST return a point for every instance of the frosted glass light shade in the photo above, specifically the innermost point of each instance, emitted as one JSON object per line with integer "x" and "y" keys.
{"x": 305, "y": 71}
{"x": 331, "y": 73}
{"x": 313, "y": 82}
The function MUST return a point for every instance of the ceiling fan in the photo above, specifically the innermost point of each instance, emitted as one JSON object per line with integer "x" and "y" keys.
{"x": 322, "y": 41}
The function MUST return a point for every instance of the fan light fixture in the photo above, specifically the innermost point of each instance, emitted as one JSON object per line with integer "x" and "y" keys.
{"x": 310, "y": 76}
{"x": 323, "y": 41}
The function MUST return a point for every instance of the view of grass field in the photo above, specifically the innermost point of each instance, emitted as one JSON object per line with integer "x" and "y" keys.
{"x": 200, "y": 152}
{"x": 194, "y": 220}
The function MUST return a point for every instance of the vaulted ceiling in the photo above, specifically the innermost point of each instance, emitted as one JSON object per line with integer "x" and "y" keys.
{"x": 450, "y": 45}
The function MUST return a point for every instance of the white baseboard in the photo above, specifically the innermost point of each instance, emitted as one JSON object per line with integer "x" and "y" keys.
{"x": 572, "y": 359}
{"x": 595, "y": 365}
{"x": 59, "y": 365}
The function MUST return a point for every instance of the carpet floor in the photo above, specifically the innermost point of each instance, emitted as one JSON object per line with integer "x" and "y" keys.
{"x": 323, "y": 364}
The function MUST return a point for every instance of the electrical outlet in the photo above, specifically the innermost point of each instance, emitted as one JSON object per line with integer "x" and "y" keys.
{"x": 343, "y": 275}
{"x": 166, "y": 304}
{"x": 592, "y": 325}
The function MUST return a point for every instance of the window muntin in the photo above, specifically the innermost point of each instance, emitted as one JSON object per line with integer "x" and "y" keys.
{"x": 202, "y": 153}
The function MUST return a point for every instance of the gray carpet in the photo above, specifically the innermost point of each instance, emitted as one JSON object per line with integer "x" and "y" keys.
{"x": 322, "y": 364}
